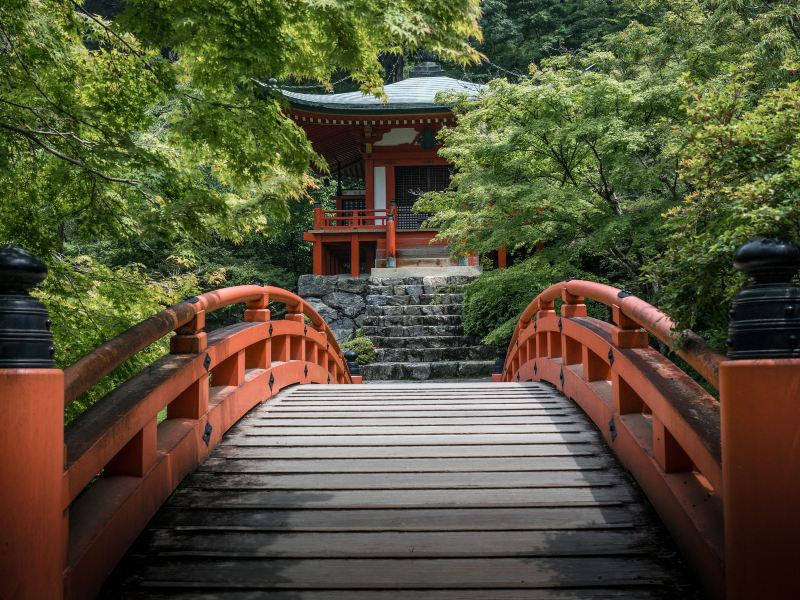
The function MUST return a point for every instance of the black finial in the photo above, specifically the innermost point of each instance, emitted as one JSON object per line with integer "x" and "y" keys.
{"x": 20, "y": 270}
{"x": 768, "y": 260}
{"x": 352, "y": 364}
{"x": 25, "y": 338}
{"x": 765, "y": 318}
{"x": 500, "y": 363}
{"x": 427, "y": 66}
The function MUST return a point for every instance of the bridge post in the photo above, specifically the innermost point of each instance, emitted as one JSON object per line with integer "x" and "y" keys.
{"x": 33, "y": 531}
{"x": 760, "y": 420}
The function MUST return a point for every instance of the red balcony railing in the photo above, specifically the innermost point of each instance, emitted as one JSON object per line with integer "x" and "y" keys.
{"x": 363, "y": 218}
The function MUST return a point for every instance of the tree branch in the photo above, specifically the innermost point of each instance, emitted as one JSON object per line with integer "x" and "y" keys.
{"x": 32, "y": 135}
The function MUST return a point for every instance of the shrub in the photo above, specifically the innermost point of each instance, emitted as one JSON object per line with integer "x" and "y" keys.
{"x": 362, "y": 346}
{"x": 494, "y": 301}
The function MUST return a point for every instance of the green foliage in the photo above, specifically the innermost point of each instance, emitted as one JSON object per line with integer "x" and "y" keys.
{"x": 142, "y": 158}
{"x": 362, "y": 346}
{"x": 745, "y": 164}
{"x": 569, "y": 158}
{"x": 520, "y": 32}
{"x": 494, "y": 301}
{"x": 644, "y": 158}
{"x": 88, "y": 301}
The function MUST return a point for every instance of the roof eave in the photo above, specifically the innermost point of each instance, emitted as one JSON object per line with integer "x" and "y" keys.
{"x": 362, "y": 109}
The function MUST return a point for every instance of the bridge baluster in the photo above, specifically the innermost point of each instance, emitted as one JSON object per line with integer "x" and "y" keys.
{"x": 760, "y": 418}
{"x": 33, "y": 526}
{"x": 190, "y": 338}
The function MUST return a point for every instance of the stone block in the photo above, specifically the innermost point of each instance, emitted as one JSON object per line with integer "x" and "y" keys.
{"x": 374, "y": 300}
{"x": 351, "y": 305}
{"x": 434, "y": 281}
{"x": 352, "y": 285}
{"x": 325, "y": 311}
{"x": 316, "y": 285}
{"x": 343, "y": 328}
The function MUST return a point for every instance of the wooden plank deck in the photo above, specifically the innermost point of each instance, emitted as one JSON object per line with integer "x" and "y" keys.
{"x": 401, "y": 491}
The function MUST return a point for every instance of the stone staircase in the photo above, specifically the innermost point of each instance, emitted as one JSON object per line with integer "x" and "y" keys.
{"x": 415, "y": 324}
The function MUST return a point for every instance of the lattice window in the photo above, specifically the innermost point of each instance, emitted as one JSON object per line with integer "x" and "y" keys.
{"x": 409, "y": 184}
{"x": 354, "y": 204}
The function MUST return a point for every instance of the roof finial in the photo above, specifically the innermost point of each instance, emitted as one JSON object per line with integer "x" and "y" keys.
{"x": 427, "y": 66}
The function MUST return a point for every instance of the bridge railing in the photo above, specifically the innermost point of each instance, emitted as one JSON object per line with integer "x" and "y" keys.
{"x": 696, "y": 458}
{"x": 94, "y": 485}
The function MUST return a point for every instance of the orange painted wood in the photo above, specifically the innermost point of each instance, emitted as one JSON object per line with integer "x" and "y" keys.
{"x": 761, "y": 487}
{"x": 32, "y": 526}
{"x": 355, "y": 257}
{"x": 662, "y": 424}
{"x": 502, "y": 257}
{"x": 138, "y": 456}
{"x": 692, "y": 349}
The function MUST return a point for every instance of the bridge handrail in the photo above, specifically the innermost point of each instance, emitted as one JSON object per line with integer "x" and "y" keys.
{"x": 662, "y": 424}
{"x": 92, "y": 367}
{"x": 124, "y": 456}
{"x": 686, "y": 344}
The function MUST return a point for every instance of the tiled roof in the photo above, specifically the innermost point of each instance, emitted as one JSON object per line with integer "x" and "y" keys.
{"x": 415, "y": 93}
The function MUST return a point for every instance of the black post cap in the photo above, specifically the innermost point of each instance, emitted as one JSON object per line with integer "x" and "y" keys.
{"x": 768, "y": 260}
{"x": 25, "y": 338}
{"x": 765, "y": 318}
{"x": 20, "y": 271}
{"x": 500, "y": 362}
{"x": 350, "y": 357}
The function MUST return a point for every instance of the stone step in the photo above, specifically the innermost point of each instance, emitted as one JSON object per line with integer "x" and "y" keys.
{"x": 428, "y": 370}
{"x": 430, "y": 280}
{"x": 388, "y": 320}
{"x": 413, "y": 290}
{"x": 412, "y": 309}
{"x": 403, "y": 300}
{"x": 412, "y": 330}
{"x": 459, "y": 353}
{"x": 431, "y": 341}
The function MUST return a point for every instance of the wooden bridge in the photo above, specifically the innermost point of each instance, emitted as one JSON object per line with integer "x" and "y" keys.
{"x": 537, "y": 485}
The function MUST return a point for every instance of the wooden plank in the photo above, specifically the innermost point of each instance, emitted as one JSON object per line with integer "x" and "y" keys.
{"x": 410, "y": 440}
{"x": 275, "y": 415}
{"x": 428, "y": 430}
{"x": 420, "y": 421}
{"x": 406, "y": 465}
{"x": 402, "y": 481}
{"x": 461, "y": 498}
{"x": 459, "y": 401}
{"x": 394, "y": 544}
{"x": 586, "y": 448}
{"x": 412, "y": 519}
{"x": 332, "y": 409}
{"x": 152, "y": 593}
{"x": 480, "y": 491}
{"x": 446, "y": 573}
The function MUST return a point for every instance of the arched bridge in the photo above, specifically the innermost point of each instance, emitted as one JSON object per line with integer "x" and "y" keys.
{"x": 245, "y": 464}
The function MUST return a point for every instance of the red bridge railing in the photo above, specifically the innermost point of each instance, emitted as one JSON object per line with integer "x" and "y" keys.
{"x": 723, "y": 475}
{"x": 75, "y": 498}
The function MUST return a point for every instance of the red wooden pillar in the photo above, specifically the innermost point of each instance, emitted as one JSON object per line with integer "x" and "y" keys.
{"x": 318, "y": 268}
{"x": 760, "y": 422}
{"x": 33, "y": 527}
{"x": 391, "y": 234}
{"x": 355, "y": 256}
{"x": 502, "y": 257}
